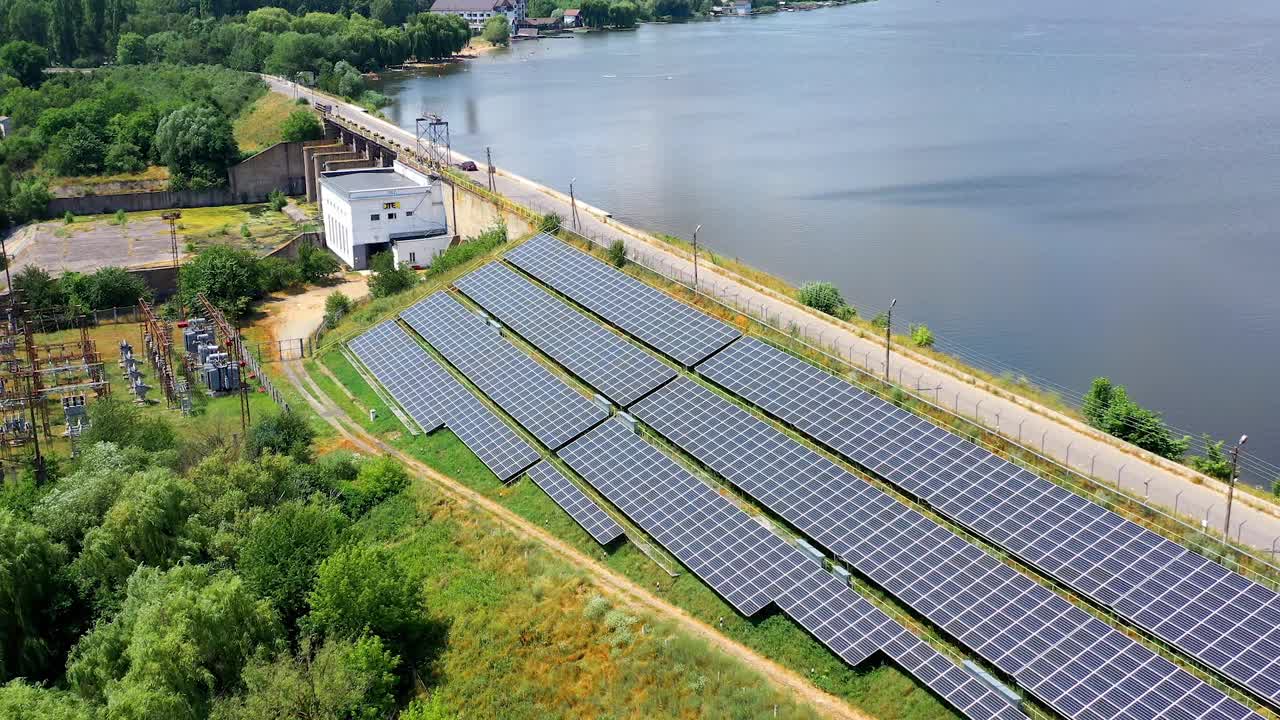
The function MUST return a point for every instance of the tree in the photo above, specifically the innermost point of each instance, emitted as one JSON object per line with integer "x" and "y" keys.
{"x": 376, "y": 480}
{"x": 364, "y": 589}
{"x": 79, "y": 501}
{"x": 1108, "y": 407}
{"x": 594, "y": 13}
{"x": 22, "y": 701}
{"x": 123, "y": 157}
{"x": 497, "y": 30}
{"x": 286, "y": 433}
{"x": 116, "y": 421}
{"x": 821, "y": 296}
{"x": 283, "y": 549}
{"x": 541, "y": 8}
{"x": 30, "y": 201}
{"x": 343, "y": 680}
{"x": 77, "y": 150}
{"x": 107, "y": 287}
{"x": 29, "y": 20}
{"x": 181, "y": 636}
{"x": 1096, "y": 402}
{"x": 301, "y": 125}
{"x": 318, "y": 265}
{"x": 131, "y": 49}
{"x": 388, "y": 279}
{"x": 1214, "y": 462}
{"x": 39, "y": 289}
{"x": 921, "y": 336}
{"x": 271, "y": 20}
{"x": 25, "y": 61}
{"x": 196, "y": 143}
{"x": 31, "y": 590}
{"x": 229, "y": 277}
{"x": 623, "y": 14}
{"x": 432, "y": 36}
{"x": 672, "y": 8}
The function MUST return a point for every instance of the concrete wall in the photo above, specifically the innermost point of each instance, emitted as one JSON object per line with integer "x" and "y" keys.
{"x": 137, "y": 202}
{"x": 279, "y": 167}
{"x": 476, "y": 214}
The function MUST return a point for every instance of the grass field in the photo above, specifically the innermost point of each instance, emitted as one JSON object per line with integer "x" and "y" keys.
{"x": 879, "y": 689}
{"x": 258, "y": 127}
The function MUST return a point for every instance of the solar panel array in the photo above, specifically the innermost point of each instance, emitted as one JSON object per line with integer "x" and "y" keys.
{"x": 751, "y": 567}
{"x": 1075, "y": 663}
{"x": 607, "y": 362}
{"x": 433, "y": 397}
{"x": 581, "y": 508}
{"x": 538, "y": 400}
{"x": 1196, "y": 605}
{"x": 655, "y": 318}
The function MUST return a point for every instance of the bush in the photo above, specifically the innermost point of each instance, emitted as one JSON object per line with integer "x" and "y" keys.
{"x": 388, "y": 279}
{"x": 1214, "y": 462}
{"x": 278, "y": 274}
{"x": 68, "y": 217}
{"x": 317, "y": 264}
{"x": 286, "y": 433}
{"x": 280, "y": 554}
{"x": 921, "y": 336}
{"x": 1275, "y": 487}
{"x": 881, "y": 320}
{"x": 618, "y": 253}
{"x": 497, "y": 30}
{"x": 338, "y": 303}
{"x": 277, "y": 200}
{"x": 301, "y": 125}
{"x": 1107, "y": 407}
{"x": 365, "y": 589}
{"x": 549, "y": 223}
{"x": 463, "y": 253}
{"x": 122, "y": 423}
{"x": 121, "y": 218}
{"x": 376, "y": 480}
{"x": 821, "y": 296}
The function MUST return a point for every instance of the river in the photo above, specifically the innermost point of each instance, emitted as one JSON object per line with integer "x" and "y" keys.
{"x": 1069, "y": 189}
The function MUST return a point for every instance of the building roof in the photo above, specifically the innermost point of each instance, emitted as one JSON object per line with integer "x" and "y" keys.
{"x": 541, "y": 22}
{"x": 368, "y": 179}
{"x": 453, "y": 6}
{"x": 571, "y": 12}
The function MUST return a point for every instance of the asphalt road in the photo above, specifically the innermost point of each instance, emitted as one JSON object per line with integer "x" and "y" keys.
{"x": 1198, "y": 500}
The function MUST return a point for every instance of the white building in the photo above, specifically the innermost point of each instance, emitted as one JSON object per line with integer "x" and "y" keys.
{"x": 478, "y": 12}
{"x": 374, "y": 210}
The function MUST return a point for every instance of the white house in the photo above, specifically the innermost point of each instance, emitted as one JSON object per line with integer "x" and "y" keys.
{"x": 572, "y": 18}
{"x": 478, "y": 12}
{"x": 374, "y": 210}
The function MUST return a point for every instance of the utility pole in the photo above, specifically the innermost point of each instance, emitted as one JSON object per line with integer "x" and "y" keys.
{"x": 172, "y": 217}
{"x": 573, "y": 204}
{"x": 493, "y": 188}
{"x": 888, "y": 338}
{"x": 8, "y": 282}
{"x": 695, "y": 257}
{"x": 1231, "y": 484}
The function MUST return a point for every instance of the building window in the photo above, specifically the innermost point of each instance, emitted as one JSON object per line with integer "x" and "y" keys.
{"x": 391, "y": 216}
{"x": 408, "y": 213}
{"x": 375, "y": 217}
{"x": 413, "y": 257}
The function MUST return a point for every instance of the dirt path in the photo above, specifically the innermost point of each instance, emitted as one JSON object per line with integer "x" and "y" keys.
{"x": 298, "y": 316}
{"x": 610, "y": 582}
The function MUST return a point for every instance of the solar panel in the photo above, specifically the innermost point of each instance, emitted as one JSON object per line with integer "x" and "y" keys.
{"x": 397, "y": 361}
{"x": 1219, "y": 617}
{"x": 538, "y": 400}
{"x": 605, "y": 361}
{"x": 751, "y": 567}
{"x": 653, "y": 317}
{"x": 1075, "y": 663}
{"x": 570, "y": 497}
{"x": 434, "y": 397}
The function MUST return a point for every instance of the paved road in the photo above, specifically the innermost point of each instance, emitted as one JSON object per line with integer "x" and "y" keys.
{"x": 1197, "y": 499}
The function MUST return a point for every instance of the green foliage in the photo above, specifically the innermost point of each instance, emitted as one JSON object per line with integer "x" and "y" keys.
{"x": 229, "y": 277}
{"x": 1275, "y": 487}
{"x": 121, "y": 422}
{"x": 921, "y": 336}
{"x": 124, "y": 157}
{"x": 131, "y": 49}
{"x": 432, "y": 708}
{"x": 278, "y": 274}
{"x": 342, "y": 680}
{"x": 286, "y": 433}
{"x": 301, "y": 125}
{"x": 1107, "y": 407}
{"x": 181, "y": 637}
{"x": 623, "y": 14}
{"x": 822, "y": 296}
{"x": 25, "y": 61}
{"x": 28, "y": 201}
{"x": 549, "y": 223}
{"x": 618, "y": 253}
{"x": 22, "y": 701}
{"x": 317, "y": 264}
{"x": 387, "y": 279}
{"x": 475, "y": 247}
{"x": 39, "y": 289}
{"x": 196, "y": 143}
{"x": 377, "y": 479}
{"x": 79, "y": 502}
{"x": 594, "y": 13}
{"x": 68, "y": 217}
{"x": 541, "y": 8}
{"x": 282, "y": 550}
{"x": 336, "y": 306}
{"x": 433, "y": 36}
{"x": 120, "y": 217}
{"x": 107, "y": 287}
{"x": 77, "y": 150}
{"x": 1214, "y": 462}
{"x": 676, "y": 9}
{"x": 31, "y": 588}
{"x": 277, "y": 200}
{"x": 364, "y": 589}
{"x": 497, "y": 30}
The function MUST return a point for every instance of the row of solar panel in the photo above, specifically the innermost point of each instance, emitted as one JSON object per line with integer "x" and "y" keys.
{"x": 433, "y": 398}
{"x": 1075, "y": 663}
{"x": 752, "y": 567}
{"x": 1223, "y": 619}
{"x": 1217, "y": 616}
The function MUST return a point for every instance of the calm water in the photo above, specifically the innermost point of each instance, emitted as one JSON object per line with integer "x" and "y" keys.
{"x": 1070, "y": 189}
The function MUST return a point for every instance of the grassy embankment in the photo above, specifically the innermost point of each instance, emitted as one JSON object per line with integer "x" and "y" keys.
{"x": 881, "y": 690}
{"x": 258, "y": 126}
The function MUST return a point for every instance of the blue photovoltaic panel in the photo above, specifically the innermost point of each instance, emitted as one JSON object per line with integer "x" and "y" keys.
{"x": 1075, "y": 663}
{"x": 570, "y": 497}
{"x": 646, "y": 313}
{"x": 1219, "y": 617}
{"x": 752, "y": 567}
{"x": 554, "y": 412}
{"x": 433, "y": 397}
{"x": 620, "y": 370}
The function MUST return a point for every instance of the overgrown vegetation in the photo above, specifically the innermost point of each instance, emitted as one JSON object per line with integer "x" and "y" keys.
{"x": 387, "y": 278}
{"x": 1107, "y": 407}
{"x": 618, "y": 253}
{"x": 825, "y": 297}
{"x": 105, "y": 288}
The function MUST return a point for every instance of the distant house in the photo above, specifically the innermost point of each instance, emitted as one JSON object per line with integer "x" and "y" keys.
{"x": 572, "y": 17}
{"x": 478, "y": 12}
{"x": 4, "y": 126}
{"x": 543, "y": 24}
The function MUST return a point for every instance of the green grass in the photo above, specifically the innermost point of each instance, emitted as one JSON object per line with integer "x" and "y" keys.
{"x": 258, "y": 126}
{"x": 880, "y": 689}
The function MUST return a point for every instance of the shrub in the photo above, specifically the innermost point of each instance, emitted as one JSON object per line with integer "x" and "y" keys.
{"x": 497, "y": 30}
{"x": 596, "y": 607}
{"x": 618, "y": 253}
{"x": 317, "y": 265}
{"x": 277, "y": 200}
{"x": 1214, "y": 462}
{"x": 921, "y": 335}
{"x": 472, "y": 248}
{"x": 549, "y": 223}
{"x": 68, "y": 217}
{"x": 338, "y": 303}
{"x": 301, "y": 125}
{"x": 121, "y": 218}
{"x": 244, "y": 231}
{"x": 365, "y": 589}
{"x": 822, "y": 296}
{"x": 1275, "y": 487}
{"x": 286, "y": 433}
{"x": 388, "y": 279}
{"x": 278, "y": 274}
{"x": 376, "y": 480}
{"x": 881, "y": 320}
